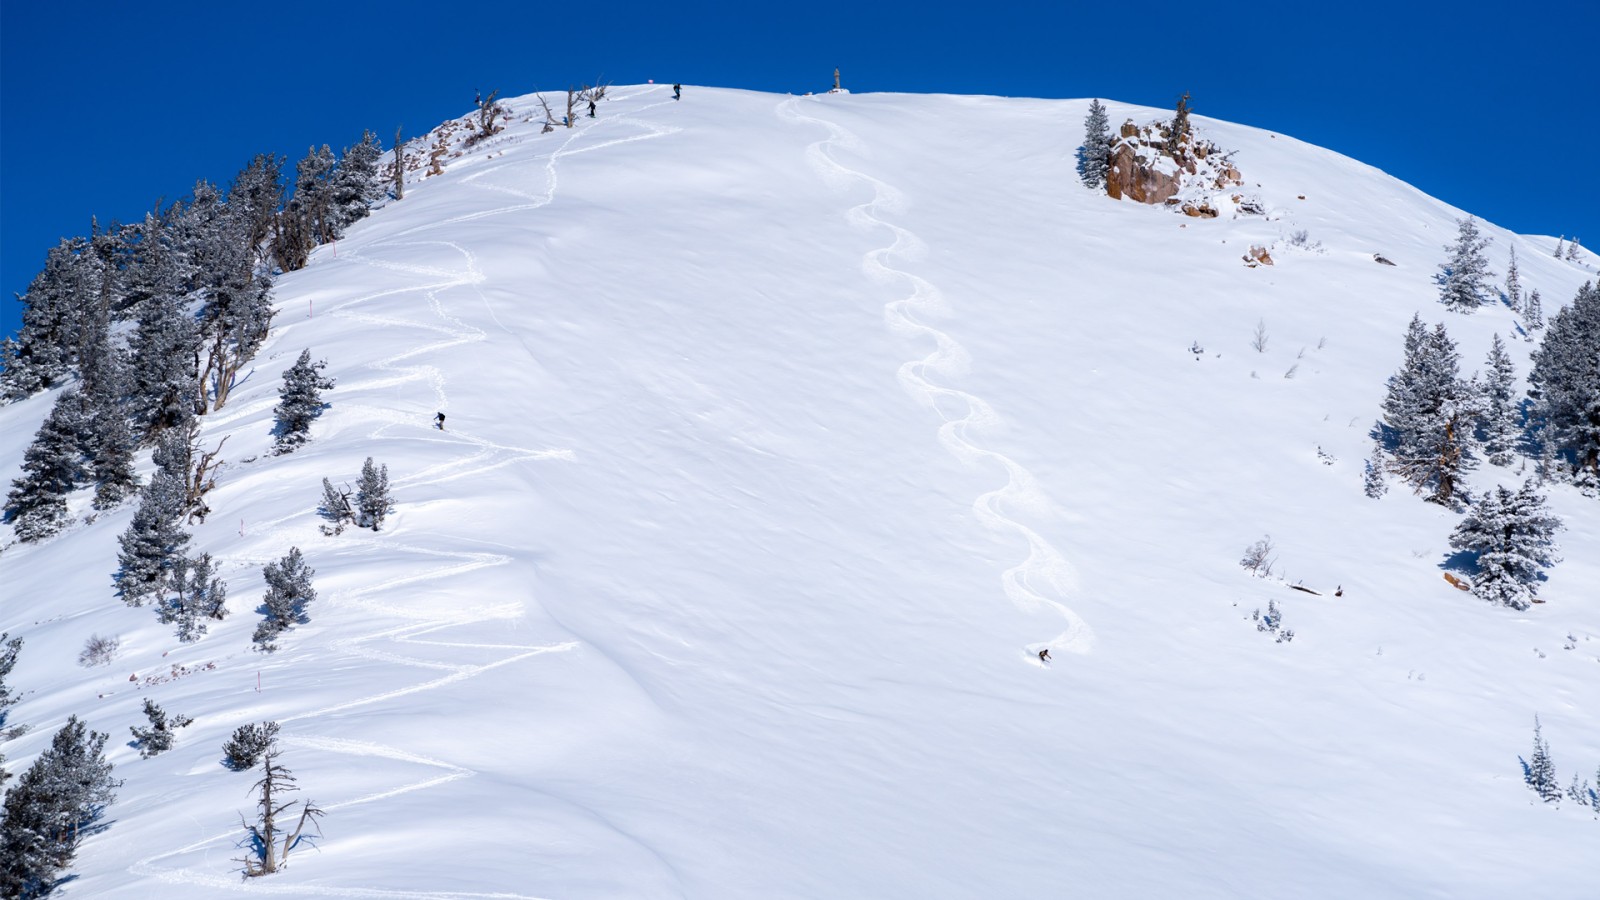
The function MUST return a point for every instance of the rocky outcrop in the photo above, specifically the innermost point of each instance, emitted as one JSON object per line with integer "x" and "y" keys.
{"x": 1145, "y": 167}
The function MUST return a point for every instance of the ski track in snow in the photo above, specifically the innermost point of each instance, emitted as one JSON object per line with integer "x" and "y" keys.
{"x": 1045, "y": 574}
{"x": 302, "y": 526}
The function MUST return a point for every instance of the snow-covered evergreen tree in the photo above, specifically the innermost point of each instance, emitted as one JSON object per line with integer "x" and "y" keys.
{"x": 47, "y": 344}
{"x": 1427, "y": 414}
{"x": 194, "y": 596}
{"x": 289, "y": 592}
{"x": 372, "y": 495}
{"x": 157, "y": 737}
{"x": 1513, "y": 283}
{"x": 1573, "y": 252}
{"x": 1373, "y": 483}
{"x": 1540, "y": 771}
{"x": 109, "y": 438}
{"x": 299, "y": 401}
{"x": 1561, "y": 246}
{"x": 256, "y": 196}
{"x": 155, "y": 538}
{"x": 9, "y": 648}
{"x": 1501, "y": 420}
{"x": 1512, "y": 535}
{"x": 1464, "y": 276}
{"x": 1566, "y": 384}
{"x": 53, "y": 806}
{"x": 51, "y": 468}
{"x": 1094, "y": 156}
{"x": 355, "y": 184}
{"x": 237, "y": 311}
{"x": 165, "y": 349}
{"x": 1533, "y": 315}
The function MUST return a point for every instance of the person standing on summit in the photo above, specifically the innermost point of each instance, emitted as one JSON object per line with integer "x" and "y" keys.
{"x": 677, "y": 92}
{"x": 591, "y": 109}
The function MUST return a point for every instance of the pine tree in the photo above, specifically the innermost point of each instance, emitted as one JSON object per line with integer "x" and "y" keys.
{"x": 1462, "y": 282}
{"x": 372, "y": 495}
{"x": 1566, "y": 384}
{"x": 1427, "y": 413}
{"x": 1572, "y": 250}
{"x": 153, "y": 539}
{"x": 235, "y": 319}
{"x": 1540, "y": 772}
{"x": 248, "y": 744}
{"x": 157, "y": 738}
{"x": 299, "y": 401}
{"x": 165, "y": 350}
{"x": 1512, "y": 535}
{"x": 1094, "y": 157}
{"x": 1374, "y": 483}
{"x": 48, "y": 341}
{"x": 1561, "y": 246}
{"x": 9, "y": 648}
{"x": 1180, "y": 125}
{"x": 1534, "y": 315}
{"x": 53, "y": 806}
{"x": 194, "y": 596}
{"x": 289, "y": 592}
{"x": 355, "y": 183}
{"x": 255, "y": 197}
{"x": 51, "y": 470}
{"x": 1502, "y": 420}
{"x": 109, "y": 438}
{"x": 1513, "y": 284}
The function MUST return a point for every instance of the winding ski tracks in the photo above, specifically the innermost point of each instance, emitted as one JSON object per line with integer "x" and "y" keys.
{"x": 1044, "y": 575}
{"x": 484, "y": 455}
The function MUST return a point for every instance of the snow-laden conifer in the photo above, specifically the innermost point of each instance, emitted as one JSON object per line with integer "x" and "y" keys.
{"x": 52, "y": 807}
{"x": 1428, "y": 412}
{"x": 1566, "y": 385}
{"x": 1533, "y": 316}
{"x": 52, "y": 467}
{"x": 9, "y": 648}
{"x": 48, "y": 341}
{"x": 1373, "y": 482}
{"x": 1501, "y": 418}
{"x": 355, "y": 183}
{"x": 156, "y": 738}
{"x": 155, "y": 538}
{"x": 1095, "y": 155}
{"x": 1513, "y": 283}
{"x": 1539, "y": 771}
{"x": 289, "y": 592}
{"x": 1512, "y": 535}
{"x": 1463, "y": 282}
{"x": 299, "y": 401}
{"x": 194, "y": 596}
{"x": 372, "y": 495}
{"x": 166, "y": 381}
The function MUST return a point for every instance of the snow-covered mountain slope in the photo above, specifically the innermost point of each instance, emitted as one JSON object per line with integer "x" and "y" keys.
{"x": 782, "y": 433}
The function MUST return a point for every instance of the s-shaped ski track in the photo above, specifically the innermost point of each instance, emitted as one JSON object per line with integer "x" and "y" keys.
{"x": 1044, "y": 578}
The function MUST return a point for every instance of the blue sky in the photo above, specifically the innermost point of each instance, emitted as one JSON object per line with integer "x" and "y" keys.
{"x": 107, "y": 107}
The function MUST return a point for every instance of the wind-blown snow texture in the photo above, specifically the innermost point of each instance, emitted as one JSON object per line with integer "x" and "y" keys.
{"x": 782, "y": 433}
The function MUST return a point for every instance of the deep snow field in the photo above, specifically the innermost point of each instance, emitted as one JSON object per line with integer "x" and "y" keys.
{"x": 782, "y": 432}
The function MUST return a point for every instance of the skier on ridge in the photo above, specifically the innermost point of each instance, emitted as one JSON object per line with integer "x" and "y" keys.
{"x": 438, "y": 421}
{"x": 677, "y": 92}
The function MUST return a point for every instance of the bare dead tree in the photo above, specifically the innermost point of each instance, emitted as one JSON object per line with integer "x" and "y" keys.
{"x": 337, "y": 506}
{"x": 488, "y": 108}
{"x": 270, "y": 844}
{"x": 549, "y": 115}
{"x": 199, "y": 468}
{"x": 574, "y": 97}
{"x": 399, "y": 166}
